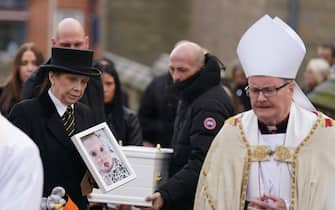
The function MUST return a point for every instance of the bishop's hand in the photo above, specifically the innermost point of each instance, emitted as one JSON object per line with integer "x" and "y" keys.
{"x": 267, "y": 202}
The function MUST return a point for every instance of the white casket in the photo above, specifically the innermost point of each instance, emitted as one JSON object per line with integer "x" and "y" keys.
{"x": 151, "y": 168}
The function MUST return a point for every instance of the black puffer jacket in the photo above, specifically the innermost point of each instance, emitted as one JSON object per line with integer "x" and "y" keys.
{"x": 202, "y": 110}
{"x": 158, "y": 110}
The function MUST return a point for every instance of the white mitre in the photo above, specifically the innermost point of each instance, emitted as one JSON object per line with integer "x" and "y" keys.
{"x": 271, "y": 48}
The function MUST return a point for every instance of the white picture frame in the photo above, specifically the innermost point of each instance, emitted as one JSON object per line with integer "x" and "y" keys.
{"x": 103, "y": 157}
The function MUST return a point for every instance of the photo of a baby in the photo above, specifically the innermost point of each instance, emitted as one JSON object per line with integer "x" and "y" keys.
{"x": 110, "y": 167}
{"x": 103, "y": 157}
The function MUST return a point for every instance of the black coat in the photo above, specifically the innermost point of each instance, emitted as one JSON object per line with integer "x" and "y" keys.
{"x": 132, "y": 134}
{"x": 62, "y": 164}
{"x": 202, "y": 110}
{"x": 93, "y": 95}
{"x": 158, "y": 110}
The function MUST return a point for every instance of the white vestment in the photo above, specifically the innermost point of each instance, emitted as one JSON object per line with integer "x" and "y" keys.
{"x": 230, "y": 175}
{"x": 21, "y": 173}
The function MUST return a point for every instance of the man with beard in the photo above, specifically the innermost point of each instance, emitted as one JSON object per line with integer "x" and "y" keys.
{"x": 202, "y": 108}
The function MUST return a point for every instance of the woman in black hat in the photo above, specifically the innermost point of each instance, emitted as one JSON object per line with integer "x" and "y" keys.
{"x": 53, "y": 117}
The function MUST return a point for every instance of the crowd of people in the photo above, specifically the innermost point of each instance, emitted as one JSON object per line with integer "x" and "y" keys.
{"x": 261, "y": 132}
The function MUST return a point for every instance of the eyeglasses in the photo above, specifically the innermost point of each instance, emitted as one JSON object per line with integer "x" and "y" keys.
{"x": 267, "y": 92}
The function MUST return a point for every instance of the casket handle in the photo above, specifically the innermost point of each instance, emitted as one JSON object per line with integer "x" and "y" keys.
{"x": 120, "y": 142}
{"x": 158, "y": 178}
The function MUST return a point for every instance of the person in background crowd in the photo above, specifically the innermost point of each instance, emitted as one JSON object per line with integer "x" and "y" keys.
{"x": 69, "y": 34}
{"x": 26, "y": 61}
{"x": 317, "y": 71}
{"x": 239, "y": 83}
{"x": 157, "y": 111}
{"x": 53, "y": 117}
{"x": 21, "y": 172}
{"x": 279, "y": 155}
{"x": 105, "y": 61}
{"x": 202, "y": 109}
{"x": 327, "y": 52}
{"x": 122, "y": 121}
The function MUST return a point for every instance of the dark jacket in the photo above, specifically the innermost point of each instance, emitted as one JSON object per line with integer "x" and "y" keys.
{"x": 158, "y": 110}
{"x": 93, "y": 96}
{"x": 62, "y": 164}
{"x": 202, "y": 110}
{"x": 132, "y": 133}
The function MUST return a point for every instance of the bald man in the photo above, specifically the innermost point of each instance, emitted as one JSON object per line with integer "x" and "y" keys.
{"x": 69, "y": 34}
{"x": 202, "y": 108}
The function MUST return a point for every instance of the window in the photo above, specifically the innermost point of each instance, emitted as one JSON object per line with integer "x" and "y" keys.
{"x": 13, "y": 4}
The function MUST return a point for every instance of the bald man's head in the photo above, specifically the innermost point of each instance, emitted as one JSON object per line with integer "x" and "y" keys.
{"x": 185, "y": 60}
{"x": 70, "y": 34}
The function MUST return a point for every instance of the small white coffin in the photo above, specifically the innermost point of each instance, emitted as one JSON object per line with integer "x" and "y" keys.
{"x": 151, "y": 168}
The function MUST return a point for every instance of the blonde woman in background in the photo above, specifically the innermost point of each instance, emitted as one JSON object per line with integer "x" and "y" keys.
{"x": 317, "y": 71}
{"x": 26, "y": 61}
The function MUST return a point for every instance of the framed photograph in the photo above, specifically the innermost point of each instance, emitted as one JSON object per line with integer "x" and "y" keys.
{"x": 103, "y": 157}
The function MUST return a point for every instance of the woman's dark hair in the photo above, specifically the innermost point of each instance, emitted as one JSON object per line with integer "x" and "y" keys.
{"x": 110, "y": 69}
{"x": 114, "y": 110}
{"x": 104, "y": 61}
{"x": 13, "y": 84}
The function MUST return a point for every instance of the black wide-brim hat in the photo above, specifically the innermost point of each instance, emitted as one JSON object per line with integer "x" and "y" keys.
{"x": 73, "y": 61}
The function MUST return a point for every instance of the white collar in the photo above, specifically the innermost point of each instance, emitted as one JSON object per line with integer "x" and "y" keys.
{"x": 60, "y": 107}
{"x": 299, "y": 124}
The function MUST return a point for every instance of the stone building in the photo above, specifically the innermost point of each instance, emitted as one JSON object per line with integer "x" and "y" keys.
{"x": 142, "y": 30}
